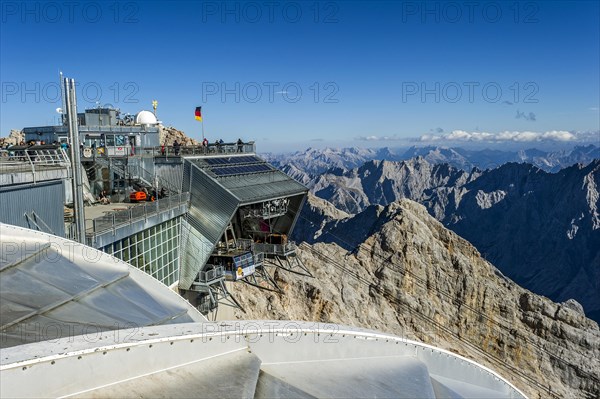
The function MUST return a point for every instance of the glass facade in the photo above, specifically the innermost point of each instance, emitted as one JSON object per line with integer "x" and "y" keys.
{"x": 154, "y": 250}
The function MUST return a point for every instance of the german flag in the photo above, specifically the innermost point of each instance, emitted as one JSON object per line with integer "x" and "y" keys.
{"x": 199, "y": 114}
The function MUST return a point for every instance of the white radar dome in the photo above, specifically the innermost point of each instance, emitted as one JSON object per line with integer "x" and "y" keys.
{"x": 145, "y": 118}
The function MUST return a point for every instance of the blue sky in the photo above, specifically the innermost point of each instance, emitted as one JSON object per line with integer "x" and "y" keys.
{"x": 369, "y": 73}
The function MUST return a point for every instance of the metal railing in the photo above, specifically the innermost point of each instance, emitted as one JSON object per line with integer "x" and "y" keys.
{"x": 212, "y": 149}
{"x": 266, "y": 212}
{"x": 286, "y": 249}
{"x": 131, "y": 151}
{"x": 33, "y": 156}
{"x": 117, "y": 129}
{"x": 269, "y": 249}
{"x": 211, "y": 275}
{"x": 135, "y": 213}
{"x": 152, "y": 178}
{"x": 259, "y": 258}
{"x": 245, "y": 244}
{"x": 206, "y": 305}
{"x": 137, "y": 172}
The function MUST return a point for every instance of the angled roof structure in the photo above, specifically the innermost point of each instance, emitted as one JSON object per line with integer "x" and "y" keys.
{"x": 248, "y": 178}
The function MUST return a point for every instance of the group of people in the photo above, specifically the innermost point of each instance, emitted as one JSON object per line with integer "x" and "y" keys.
{"x": 103, "y": 198}
{"x": 30, "y": 143}
{"x": 176, "y": 148}
{"x": 218, "y": 145}
{"x": 23, "y": 150}
{"x": 154, "y": 195}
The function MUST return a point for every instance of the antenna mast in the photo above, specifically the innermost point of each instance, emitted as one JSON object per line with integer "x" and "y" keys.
{"x": 77, "y": 184}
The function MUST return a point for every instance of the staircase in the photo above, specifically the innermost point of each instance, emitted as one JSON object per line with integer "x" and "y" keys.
{"x": 136, "y": 172}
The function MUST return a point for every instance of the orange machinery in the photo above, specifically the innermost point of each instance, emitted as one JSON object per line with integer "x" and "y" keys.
{"x": 138, "y": 196}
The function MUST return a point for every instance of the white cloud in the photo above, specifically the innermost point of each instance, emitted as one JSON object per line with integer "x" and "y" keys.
{"x": 430, "y": 137}
{"x": 515, "y": 136}
{"x": 378, "y": 138}
{"x": 559, "y": 136}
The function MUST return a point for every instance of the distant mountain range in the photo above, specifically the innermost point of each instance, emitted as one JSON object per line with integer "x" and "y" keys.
{"x": 540, "y": 229}
{"x": 315, "y": 161}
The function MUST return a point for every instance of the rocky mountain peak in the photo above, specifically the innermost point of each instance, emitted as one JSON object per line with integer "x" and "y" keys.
{"x": 541, "y": 229}
{"x": 411, "y": 276}
{"x": 591, "y": 184}
{"x": 14, "y": 138}
{"x": 168, "y": 135}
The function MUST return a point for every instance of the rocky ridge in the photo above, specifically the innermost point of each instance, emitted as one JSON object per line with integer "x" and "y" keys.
{"x": 412, "y": 277}
{"x": 541, "y": 229}
{"x": 314, "y": 161}
{"x": 14, "y": 138}
{"x": 168, "y": 135}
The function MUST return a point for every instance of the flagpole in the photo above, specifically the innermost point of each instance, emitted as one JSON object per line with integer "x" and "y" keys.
{"x": 202, "y": 128}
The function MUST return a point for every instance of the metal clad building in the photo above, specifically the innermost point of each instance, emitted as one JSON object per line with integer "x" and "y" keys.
{"x": 218, "y": 187}
{"x": 32, "y": 188}
{"x": 169, "y": 170}
{"x": 25, "y": 204}
{"x": 211, "y": 209}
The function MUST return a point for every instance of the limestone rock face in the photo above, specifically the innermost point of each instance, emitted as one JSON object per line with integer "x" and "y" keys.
{"x": 541, "y": 229}
{"x": 14, "y": 138}
{"x": 382, "y": 182}
{"x": 413, "y": 277}
{"x": 168, "y": 135}
{"x": 315, "y": 215}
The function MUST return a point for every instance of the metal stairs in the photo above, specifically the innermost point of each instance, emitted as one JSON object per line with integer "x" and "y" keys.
{"x": 137, "y": 172}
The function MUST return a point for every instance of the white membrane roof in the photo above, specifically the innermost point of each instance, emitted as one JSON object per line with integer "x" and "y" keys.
{"x": 51, "y": 287}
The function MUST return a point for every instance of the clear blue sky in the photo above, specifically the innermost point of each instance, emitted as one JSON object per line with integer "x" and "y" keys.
{"x": 365, "y": 69}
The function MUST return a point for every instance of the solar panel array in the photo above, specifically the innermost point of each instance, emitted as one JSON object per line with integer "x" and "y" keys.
{"x": 228, "y": 166}
{"x": 241, "y": 169}
{"x": 232, "y": 160}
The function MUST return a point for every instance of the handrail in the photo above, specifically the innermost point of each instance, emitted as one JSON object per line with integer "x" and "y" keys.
{"x": 137, "y": 171}
{"x": 263, "y": 248}
{"x": 212, "y": 149}
{"x": 214, "y": 274}
{"x": 276, "y": 249}
{"x": 245, "y": 244}
{"x": 127, "y": 216}
{"x": 32, "y": 156}
{"x": 267, "y": 211}
{"x": 259, "y": 258}
{"x": 31, "y": 159}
